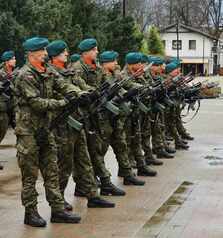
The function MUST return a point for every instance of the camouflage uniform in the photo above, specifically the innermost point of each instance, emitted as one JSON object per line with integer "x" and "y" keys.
{"x": 36, "y": 147}
{"x": 98, "y": 126}
{"x": 4, "y": 104}
{"x": 73, "y": 155}
{"x": 133, "y": 126}
{"x": 116, "y": 136}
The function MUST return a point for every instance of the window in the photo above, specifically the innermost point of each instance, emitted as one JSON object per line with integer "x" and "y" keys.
{"x": 164, "y": 44}
{"x": 174, "y": 44}
{"x": 192, "y": 44}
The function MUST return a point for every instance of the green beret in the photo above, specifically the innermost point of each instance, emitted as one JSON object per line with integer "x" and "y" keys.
{"x": 108, "y": 56}
{"x": 133, "y": 58}
{"x": 7, "y": 55}
{"x": 74, "y": 58}
{"x": 35, "y": 44}
{"x": 171, "y": 66}
{"x": 144, "y": 58}
{"x": 155, "y": 60}
{"x": 56, "y": 47}
{"x": 87, "y": 44}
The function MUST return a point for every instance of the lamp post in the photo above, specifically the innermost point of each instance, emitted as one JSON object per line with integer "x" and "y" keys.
{"x": 124, "y": 8}
{"x": 177, "y": 31}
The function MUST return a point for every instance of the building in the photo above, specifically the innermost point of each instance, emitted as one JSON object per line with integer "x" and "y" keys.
{"x": 200, "y": 52}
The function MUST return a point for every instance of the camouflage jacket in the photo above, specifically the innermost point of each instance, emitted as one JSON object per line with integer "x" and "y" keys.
{"x": 87, "y": 78}
{"x": 35, "y": 98}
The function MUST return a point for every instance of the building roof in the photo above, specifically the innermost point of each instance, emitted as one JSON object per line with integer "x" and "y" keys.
{"x": 189, "y": 28}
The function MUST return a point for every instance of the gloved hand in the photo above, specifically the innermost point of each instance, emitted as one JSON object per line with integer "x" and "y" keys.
{"x": 131, "y": 93}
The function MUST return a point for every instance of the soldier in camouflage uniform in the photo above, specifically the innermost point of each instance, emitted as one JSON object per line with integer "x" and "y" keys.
{"x": 90, "y": 73}
{"x": 116, "y": 136}
{"x": 6, "y": 72}
{"x": 135, "y": 122}
{"x": 36, "y": 147}
{"x": 147, "y": 124}
{"x": 173, "y": 117}
{"x": 159, "y": 143}
{"x": 71, "y": 141}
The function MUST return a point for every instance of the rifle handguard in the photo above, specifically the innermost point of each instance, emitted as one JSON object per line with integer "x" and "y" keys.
{"x": 74, "y": 123}
{"x": 112, "y": 108}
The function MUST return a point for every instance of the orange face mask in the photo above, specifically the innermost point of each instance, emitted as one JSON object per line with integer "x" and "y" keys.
{"x": 58, "y": 63}
{"x": 88, "y": 60}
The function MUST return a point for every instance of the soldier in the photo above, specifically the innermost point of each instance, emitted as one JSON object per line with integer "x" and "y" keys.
{"x": 159, "y": 144}
{"x": 36, "y": 147}
{"x": 133, "y": 123}
{"x": 73, "y": 60}
{"x": 173, "y": 117}
{"x": 146, "y": 125}
{"x": 115, "y": 135}
{"x": 6, "y": 71}
{"x": 72, "y": 144}
{"x": 91, "y": 74}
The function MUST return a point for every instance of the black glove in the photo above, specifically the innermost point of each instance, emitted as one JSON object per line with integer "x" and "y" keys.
{"x": 84, "y": 99}
{"x": 131, "y": 93}
{"x": 93, "y": 95}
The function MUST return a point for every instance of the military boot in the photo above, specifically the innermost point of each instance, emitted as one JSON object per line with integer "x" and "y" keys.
{"x": 132, "y": 180}
{"x": 170, "y": 150}
{"x": 181, "y": 146}
{"x": 146, "y": 171}
{"x": 32, "y": 218}
{"x": 64, "y": 216}
{"x": 97, "y": 202}
{"x": 153, "y": 161}
{"x": 122, "y": 173}
{"x": 67, "y": 206}
{"x": 184, "y": 142}
{"x": 187, "y": 137}
{"x": 111, "y": 189}
{"x": 163, "y": 154}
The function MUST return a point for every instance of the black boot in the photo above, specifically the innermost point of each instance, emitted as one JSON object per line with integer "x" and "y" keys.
{"x": 184, "y": 142}
{"x": 146, "y": 171}
{"x": 111, "y": 189}
{"x": 79, "y": 193}
{"x": 97, "y": 202}
{"x": 181, "y": 146}
{"x": 67, "y": 206}
{"x": 152, "y": 161}
{"x": 187, "y": 137}
{"x": 122, "y": 173}
{"x": 170, "y": 150}
{"x": 1, "y": 167}
{"x": 164, "y": 154}
{"x": 32, "y": 218}
{"x": 132, "y": 180}
{"x": 64, "y": 217}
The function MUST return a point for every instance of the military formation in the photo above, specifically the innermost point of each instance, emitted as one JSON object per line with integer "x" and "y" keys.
{"x": 66, "y": 110}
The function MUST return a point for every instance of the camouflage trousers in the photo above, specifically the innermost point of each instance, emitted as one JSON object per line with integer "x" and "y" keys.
{"x": 158, "y": 131}
{"x": 73, "y": 158}
{"x": 170, "y": 123}
{"x": 97, "y": 145}
{"x": 33, "y": 158}
{"x": 134, "y": 140}
{"x": 146, "y": 132}
{"x": 4, "y": 121}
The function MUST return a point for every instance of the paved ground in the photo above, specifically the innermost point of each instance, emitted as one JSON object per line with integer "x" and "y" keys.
{"x": 183, "y": 201}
